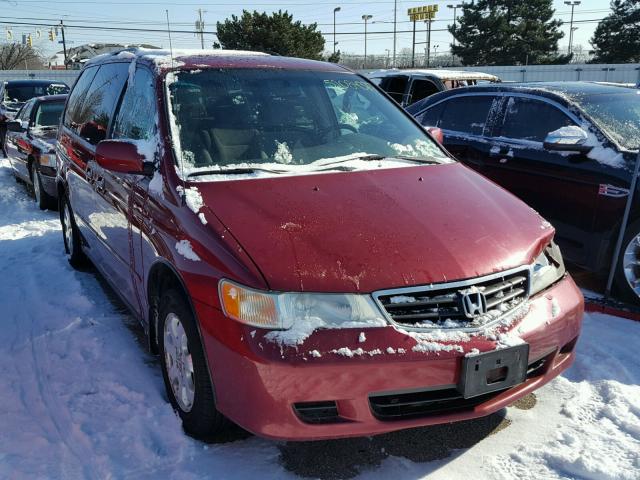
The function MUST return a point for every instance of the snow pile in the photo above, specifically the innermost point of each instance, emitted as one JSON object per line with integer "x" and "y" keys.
{"x": 80, "y": 396}
{"x": 156, "y": 184}
{"x": 184, "y": 248}
{"x": 193, "y": 199}
{"x": 596, "y": 433}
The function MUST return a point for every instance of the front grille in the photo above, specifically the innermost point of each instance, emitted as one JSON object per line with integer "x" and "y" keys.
{"x": 441, "y": 305}
{"x": 399, "y": 406}
{"x": 317, "y": 412}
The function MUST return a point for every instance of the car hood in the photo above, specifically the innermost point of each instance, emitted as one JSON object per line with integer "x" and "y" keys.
{"x": 375, "y": 229}
{"x": 44, "y": 139}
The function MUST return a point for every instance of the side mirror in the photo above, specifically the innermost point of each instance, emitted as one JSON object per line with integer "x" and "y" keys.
{"x": 121, "y": 156}
{"x": 436, "y": 134}
{"x": 567, "y": 139}
{"x": 15, "y": 126}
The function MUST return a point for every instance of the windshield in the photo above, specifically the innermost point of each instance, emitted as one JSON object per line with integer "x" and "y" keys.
{"x": 286, "y": 120}
{"x": 48, "y": 114}
{"x": 617, "y": 114}
{"x": 22, "y": 93}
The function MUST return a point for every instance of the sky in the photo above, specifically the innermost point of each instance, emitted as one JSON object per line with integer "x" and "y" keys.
{"x": 150, "y": 14}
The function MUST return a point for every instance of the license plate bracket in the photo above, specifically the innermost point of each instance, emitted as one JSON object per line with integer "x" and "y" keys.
{"x": 492, "y": 371}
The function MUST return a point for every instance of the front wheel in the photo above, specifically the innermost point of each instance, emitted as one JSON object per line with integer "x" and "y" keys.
{"x": 71, "y": 235}
{"x": 184, "y": 368}
{"x": 628, "y": 268}
{"x": 43, "y": 199}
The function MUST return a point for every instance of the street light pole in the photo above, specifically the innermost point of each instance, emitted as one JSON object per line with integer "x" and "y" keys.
{"x": 573, "y": 4}
{"x": 366, "y": 18}
{"x": 454, "y": 7}
{"x": 337, "y": 9}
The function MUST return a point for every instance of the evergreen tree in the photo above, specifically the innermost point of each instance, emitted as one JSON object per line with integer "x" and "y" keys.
{"x": 617, "y": 37}
{"x": 507, "y": 32}
{"x": 276, "y": 33}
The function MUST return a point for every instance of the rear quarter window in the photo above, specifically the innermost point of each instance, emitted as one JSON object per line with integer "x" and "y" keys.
{"x": 466, "y": 114}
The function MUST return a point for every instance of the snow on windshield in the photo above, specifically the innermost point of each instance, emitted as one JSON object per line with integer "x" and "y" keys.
{"x": 283, "y": 122}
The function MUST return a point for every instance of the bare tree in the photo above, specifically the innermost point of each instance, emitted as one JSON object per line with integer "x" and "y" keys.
{"x": 17, "y": 56}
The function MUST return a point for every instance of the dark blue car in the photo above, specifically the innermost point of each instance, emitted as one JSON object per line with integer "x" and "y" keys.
{"x": 567, "y": 149}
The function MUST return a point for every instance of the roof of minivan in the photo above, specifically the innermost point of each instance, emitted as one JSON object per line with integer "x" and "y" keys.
{"x": 164, "y": 60}
{"x": 439, "y": 73}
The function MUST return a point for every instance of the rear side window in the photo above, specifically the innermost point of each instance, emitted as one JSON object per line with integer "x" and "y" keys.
{"x": 136, "y": 118}
{"x": 74, "y": 115}
{"x": 422, "y": 89}
{"x": 431, "y": 117}
{"x": 530, "y": 119}
{"x": 100, "y": 101}
{"x": 467, "y": 114}
{"x": 395, "y": 86}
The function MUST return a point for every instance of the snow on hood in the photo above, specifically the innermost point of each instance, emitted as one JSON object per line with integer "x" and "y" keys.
{"x": 377, "y": 229}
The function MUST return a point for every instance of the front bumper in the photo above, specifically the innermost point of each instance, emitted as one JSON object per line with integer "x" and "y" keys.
{"x": 257, "y": 383}
{"x": 48, "y": 181}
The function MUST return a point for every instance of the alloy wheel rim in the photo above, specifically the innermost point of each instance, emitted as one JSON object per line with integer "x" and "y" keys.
{"x": 631, "y": 264}
{"x": 68, "y": 234}
{"x": 178, "y": 362}
{"x": 36, "y": 184}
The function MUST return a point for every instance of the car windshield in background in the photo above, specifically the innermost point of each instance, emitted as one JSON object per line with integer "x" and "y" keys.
{"x": 48, "y": 114}
{"x": 286, "y": 120}
{"x": 22, "y": 93}
{"x": 618, "y": 115}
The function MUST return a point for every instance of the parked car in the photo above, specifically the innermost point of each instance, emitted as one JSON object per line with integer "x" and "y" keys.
{"x": 30, "y": 146}
{"x": 303, "y": 276}
{"x": 409, "y": 86}
{"x": 567, "y": 149}
{"x": 14, "y": 93}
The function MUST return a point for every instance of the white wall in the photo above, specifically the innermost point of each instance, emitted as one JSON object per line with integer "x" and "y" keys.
{"x": 66, "y": 76}
{"x": 619, "y": 73}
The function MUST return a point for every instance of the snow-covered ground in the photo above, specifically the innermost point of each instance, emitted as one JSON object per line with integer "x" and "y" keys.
{"x": 80, "y": 397}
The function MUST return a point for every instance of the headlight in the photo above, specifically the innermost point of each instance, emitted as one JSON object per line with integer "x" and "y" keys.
{"x": 547, "y": 269}
{"x": 281, "y": 310}
{"x": 48, "y": 160}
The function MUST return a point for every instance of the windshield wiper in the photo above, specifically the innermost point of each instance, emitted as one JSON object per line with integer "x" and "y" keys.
{"x": 234, "y": 171}
{"x": 375, "y": 157}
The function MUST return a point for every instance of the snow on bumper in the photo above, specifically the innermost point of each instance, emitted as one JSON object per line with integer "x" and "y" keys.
{"x": 258, "y": 383}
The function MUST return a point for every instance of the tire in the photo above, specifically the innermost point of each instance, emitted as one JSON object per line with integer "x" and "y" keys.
{"x": 628, "y": 267}
{"x": 71, "y": 236}
{"x": 184, "y": 369}
{"x": 43, "y": 199}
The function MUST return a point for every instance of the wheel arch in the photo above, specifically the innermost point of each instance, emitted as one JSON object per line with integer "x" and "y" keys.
{"x": 163, "y": 275}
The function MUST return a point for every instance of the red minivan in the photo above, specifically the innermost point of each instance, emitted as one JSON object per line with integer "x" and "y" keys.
{"x": 307, "y": 261}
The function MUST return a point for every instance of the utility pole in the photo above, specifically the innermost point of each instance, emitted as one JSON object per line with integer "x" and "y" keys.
{"x": 395, "y": 29}
{"x": 573, "y": 4}
{"x": 64, "y": 45}
{"x": 335, "y": 10}
{"x": 455, "y": 7}
{"x": 386, "y": 65}
{"x": 200, "y": 28}
{"x": 366, "y": 18}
